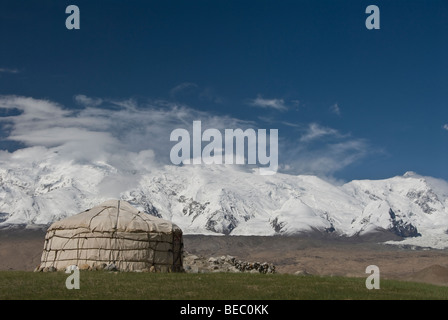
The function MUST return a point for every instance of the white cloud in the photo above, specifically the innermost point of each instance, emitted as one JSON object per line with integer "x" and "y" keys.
{"x": 8, "y": 70}
{"x": 335, "y": 109}
{"x": 445, "y": 126}
{"x": 325, "y": 160}
{"x": 277, "y": 104}
{"x": 32, "y": 108}
{"x": 91, "y": 134}
{"x": 315, "y": 131}
{"x": 135, "y": 137}
{"x": 183, "y": 88}
{"x": 88, "y": 102}
{"x": 191, "y": 90}
{"x": 322, "y": 151}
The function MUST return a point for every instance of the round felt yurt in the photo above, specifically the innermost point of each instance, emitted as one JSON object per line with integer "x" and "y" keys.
{"x": 113, "y": 234}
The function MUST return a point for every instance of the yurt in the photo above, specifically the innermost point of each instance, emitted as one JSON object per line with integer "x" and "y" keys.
{"x": 113, "y": 234}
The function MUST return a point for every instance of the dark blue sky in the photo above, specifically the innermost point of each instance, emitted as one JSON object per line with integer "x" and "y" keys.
{"x": 303, "y": 67}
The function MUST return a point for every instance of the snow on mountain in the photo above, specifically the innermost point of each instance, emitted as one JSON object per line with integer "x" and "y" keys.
{"x": 228, "y": 199}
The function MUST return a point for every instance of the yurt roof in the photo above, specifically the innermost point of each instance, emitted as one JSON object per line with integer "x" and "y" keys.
{"x": 115, "y": 215}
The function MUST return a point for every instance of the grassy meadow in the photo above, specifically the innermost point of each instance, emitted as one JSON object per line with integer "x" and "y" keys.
{"x": 97, "y": 285}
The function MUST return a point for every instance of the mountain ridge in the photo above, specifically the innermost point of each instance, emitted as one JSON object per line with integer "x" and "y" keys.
{"x": 231, "y": 200}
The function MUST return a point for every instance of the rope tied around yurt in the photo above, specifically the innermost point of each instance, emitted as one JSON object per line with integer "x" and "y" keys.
{"x": 115, "y": 236}
{"x": 141, "y": 242}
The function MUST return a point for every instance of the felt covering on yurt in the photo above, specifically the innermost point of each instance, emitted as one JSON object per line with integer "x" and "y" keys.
{"x": 114, "y": 233}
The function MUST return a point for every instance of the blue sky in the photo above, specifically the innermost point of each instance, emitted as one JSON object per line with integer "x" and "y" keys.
{"x": 350, "y": 103}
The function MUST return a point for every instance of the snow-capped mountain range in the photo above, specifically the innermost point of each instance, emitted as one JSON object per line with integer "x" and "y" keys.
{"x": 230, "y": 200}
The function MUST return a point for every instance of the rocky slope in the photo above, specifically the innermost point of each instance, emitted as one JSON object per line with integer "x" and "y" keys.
{"x": 230, "y": 200}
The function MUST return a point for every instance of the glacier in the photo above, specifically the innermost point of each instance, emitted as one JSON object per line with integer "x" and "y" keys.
{"x": 226, "y": 199}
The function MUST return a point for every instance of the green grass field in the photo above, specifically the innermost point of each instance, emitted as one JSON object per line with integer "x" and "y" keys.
{"x": 211, "y": 286}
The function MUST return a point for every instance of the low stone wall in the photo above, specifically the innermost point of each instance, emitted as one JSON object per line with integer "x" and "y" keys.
{"x": 196, "y": 264}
